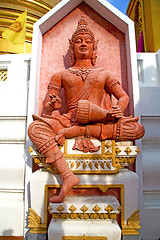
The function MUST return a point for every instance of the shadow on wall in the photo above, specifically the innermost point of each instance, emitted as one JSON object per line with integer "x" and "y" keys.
{"x": 7, "y": 232}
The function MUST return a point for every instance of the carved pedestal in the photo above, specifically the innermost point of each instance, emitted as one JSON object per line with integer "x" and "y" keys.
{"x": 75, "y": 229}
{"x": 105, "y": 201}
{"x": 91, "y": 217}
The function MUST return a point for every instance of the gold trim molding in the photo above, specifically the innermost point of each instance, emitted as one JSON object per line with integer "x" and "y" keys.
{"x": 35, "y": 223}
{"x": 83, "y": 238}
{"x": 111, "y": 216}
{"x": 132, "y": 224}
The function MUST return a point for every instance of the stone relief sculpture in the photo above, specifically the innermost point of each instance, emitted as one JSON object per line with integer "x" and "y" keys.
{"x": 90, "y": 113}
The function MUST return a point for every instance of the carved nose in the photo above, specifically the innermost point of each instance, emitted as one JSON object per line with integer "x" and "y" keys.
{"x": 83, "y": 45}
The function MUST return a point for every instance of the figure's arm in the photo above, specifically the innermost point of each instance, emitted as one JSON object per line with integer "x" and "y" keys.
{"x": 114, "y": 88}
{"x": 52, "y": 101}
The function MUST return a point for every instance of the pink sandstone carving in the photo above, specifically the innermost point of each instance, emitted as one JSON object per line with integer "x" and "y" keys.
{"x": 90, "y": 111}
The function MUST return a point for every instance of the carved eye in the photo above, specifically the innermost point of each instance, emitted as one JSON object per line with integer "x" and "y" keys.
{"x": 78, "y": 40}
{"x": 88, "y": 40}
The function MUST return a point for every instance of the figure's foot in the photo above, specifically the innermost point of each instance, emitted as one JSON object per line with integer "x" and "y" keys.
{"x": 64, "y": 133}
{"x": 69, "y": 182}
{"x": 129, "y": 119}
{"x": 74, "y": 131}
{"x": 129, "y": 129}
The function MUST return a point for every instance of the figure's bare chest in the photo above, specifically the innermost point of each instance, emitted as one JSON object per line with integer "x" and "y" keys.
{"x": 72, "y": 81}
{"x": 76, "y": 80}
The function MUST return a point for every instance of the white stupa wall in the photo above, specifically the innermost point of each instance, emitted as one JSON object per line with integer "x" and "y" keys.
{"x": 13, "y": 105}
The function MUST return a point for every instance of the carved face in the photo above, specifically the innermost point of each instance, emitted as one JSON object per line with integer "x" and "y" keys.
{"x": 83, "y": 46}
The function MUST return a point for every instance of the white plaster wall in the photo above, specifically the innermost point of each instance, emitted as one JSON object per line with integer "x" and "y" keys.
{"x": 13, "y": 105}
{"x": 149, "y": 82}
{"x": 149, "y": 75}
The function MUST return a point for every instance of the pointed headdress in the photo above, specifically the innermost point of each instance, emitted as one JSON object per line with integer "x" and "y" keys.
{"x": 82, "y": 28}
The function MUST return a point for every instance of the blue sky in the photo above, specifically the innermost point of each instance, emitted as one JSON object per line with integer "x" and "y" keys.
{"x": 120, "y": 4}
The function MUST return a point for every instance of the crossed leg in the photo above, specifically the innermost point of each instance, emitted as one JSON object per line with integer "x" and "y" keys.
{"x": 43, "y": 137}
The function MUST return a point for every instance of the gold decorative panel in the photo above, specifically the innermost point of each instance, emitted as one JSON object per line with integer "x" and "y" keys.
{"x": 111, "y": 157}
{"x": 132, "y": 225}
{"x": 35, "y": 223}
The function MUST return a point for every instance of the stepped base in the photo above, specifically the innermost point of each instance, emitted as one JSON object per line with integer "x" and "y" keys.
{"x": 85, "y": 217}
{"x": 83, "y": 229}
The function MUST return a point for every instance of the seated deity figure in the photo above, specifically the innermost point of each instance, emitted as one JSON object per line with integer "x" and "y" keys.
{"x": 90, "y": 112}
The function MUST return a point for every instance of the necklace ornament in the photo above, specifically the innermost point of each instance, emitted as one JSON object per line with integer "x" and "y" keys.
{"x": 82, "y": 72}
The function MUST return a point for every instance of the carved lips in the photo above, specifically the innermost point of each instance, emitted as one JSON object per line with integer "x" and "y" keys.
{"x": 83, "y": 49}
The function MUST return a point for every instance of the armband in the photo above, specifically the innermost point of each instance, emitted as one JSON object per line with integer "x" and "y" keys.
{"x": 113, "y": 84}
{"x": 55, "y": 86}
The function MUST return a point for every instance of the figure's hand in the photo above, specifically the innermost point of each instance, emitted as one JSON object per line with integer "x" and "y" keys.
{"x": 55, "y": 101}
{"x": 116, "y": 111}
{"x": 53, "y": 104}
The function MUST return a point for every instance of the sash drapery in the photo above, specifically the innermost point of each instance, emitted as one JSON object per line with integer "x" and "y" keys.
{"x": 86, "y": 89}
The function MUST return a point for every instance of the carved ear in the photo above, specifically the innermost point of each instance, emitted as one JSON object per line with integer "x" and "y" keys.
{"x": 72, "y": 56}
{"x": 94, "y": 56}
{"x": 96, "y": 44}
{"x": 70, "y": 43}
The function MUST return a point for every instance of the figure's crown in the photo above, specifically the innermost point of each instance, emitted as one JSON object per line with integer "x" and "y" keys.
{"x": 82, "y": 28}
{"x": 82, "y": 24}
